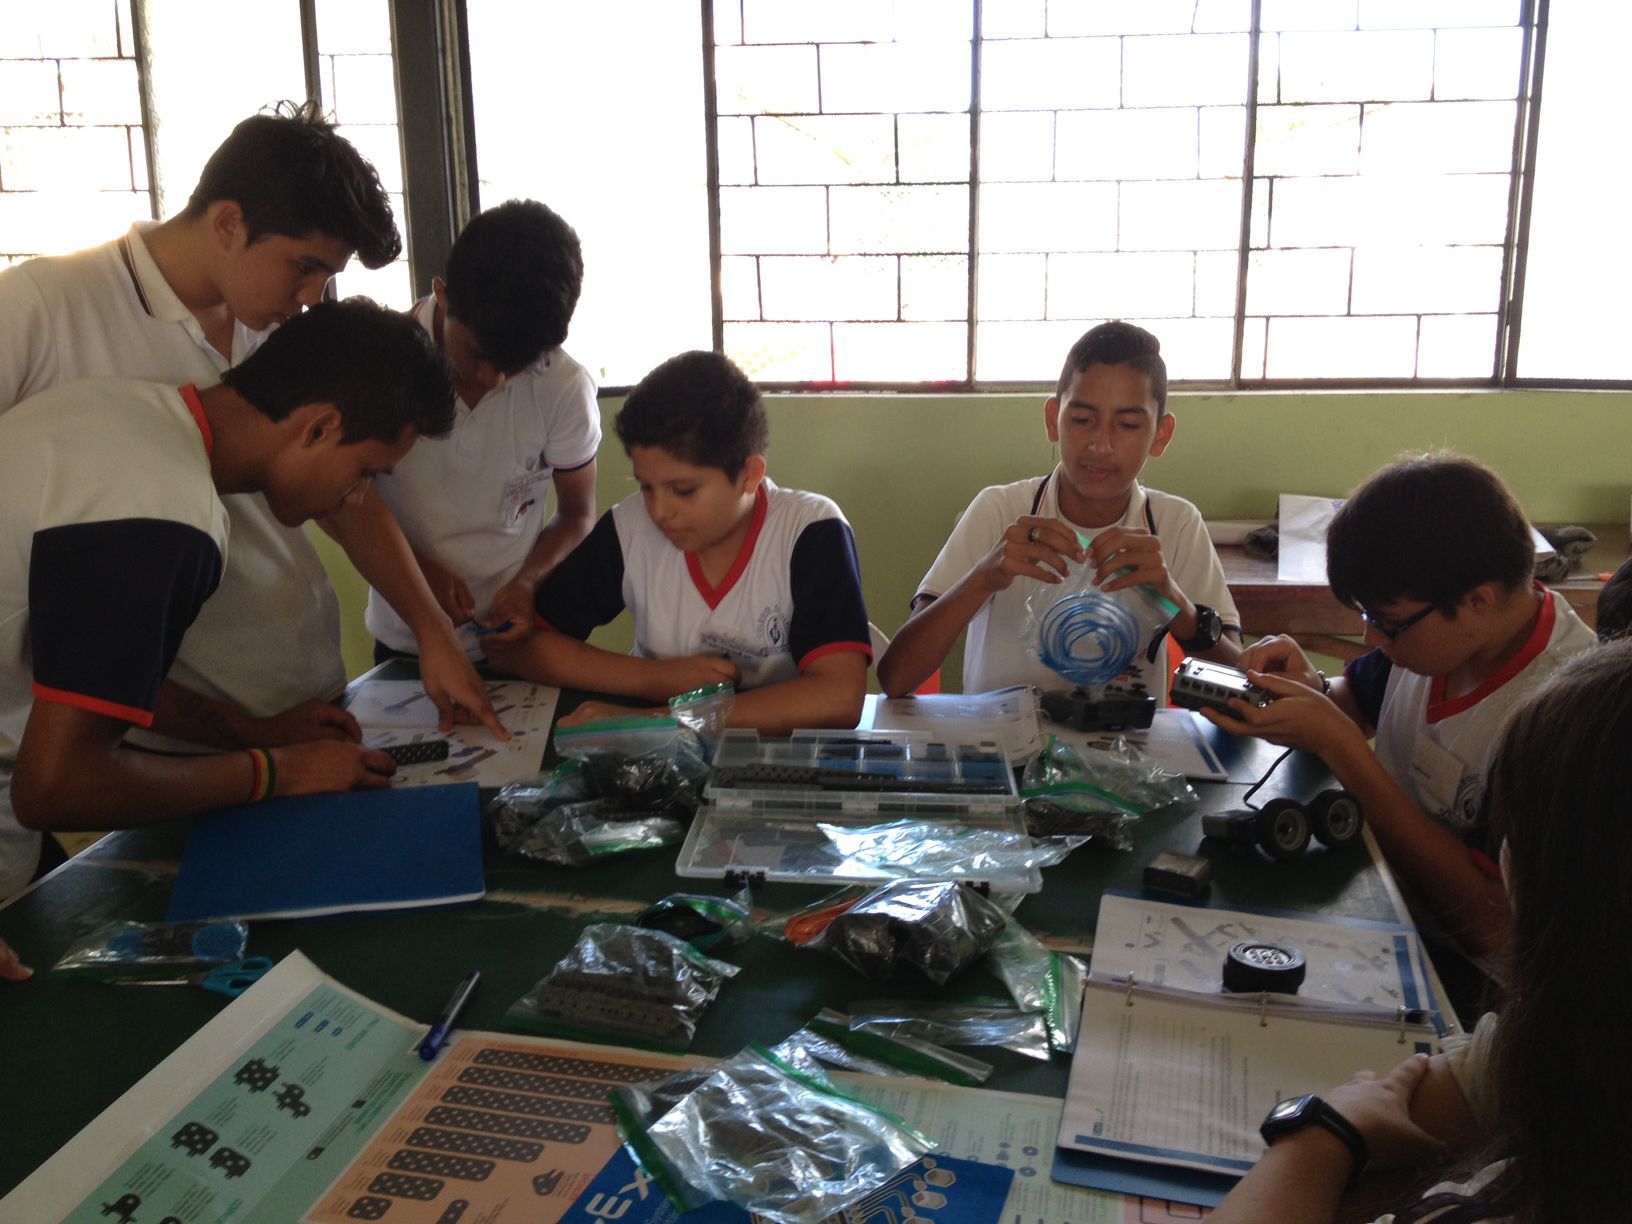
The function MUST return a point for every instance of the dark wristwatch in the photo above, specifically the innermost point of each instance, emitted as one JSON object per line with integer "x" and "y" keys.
{"x": 1209, "y": 628}
{"x": 1295, "y": 1113}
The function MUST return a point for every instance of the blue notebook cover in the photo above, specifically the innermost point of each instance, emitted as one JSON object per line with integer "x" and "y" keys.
{"x": 333, "y": 854}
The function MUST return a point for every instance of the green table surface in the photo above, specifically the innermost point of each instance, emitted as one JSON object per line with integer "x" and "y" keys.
{"x": 70, "y": 1047}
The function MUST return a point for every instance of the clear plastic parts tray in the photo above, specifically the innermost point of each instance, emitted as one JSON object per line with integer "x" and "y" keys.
{"x": 858, "y": 807}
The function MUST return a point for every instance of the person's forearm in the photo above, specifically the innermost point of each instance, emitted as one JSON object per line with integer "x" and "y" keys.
{"x": 1226, "y": 650}
{"x": 1471, "y": 902}
{"x": 922, "y": 644}
{"x": 1299, "y": 1180}
{"x": 373, "y": 540}
{"x": 185, "y": 715}
{"x": 806, "y": 702}
{"x": 554, "y": 658}
{"x": 109, "y": 788}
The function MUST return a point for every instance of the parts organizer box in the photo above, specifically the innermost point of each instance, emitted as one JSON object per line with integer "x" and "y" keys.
{"x": 767, "y": 800}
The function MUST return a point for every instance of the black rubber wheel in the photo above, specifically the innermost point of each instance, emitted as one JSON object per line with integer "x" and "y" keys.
{"x": 1283, "y": 829}
{"x": 1260, "y": 964}
{"x": 1336, "y": 818}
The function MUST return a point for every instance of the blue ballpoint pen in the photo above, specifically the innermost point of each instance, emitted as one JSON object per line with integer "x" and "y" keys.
{"x": 438, "y": 1036}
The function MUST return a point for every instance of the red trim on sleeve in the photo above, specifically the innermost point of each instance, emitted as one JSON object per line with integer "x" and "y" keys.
{"x": 713, "y": 595}
{"x": 1485, "y": 864}
{"x": 865, "y": 648}
{"x": 196, "y": 406}
{"x": 124, "y": 713}
{"x": 540, "y": 623}
{"x": 1439, "y": 708}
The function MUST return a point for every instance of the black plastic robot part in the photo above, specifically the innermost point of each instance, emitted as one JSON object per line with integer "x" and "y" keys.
{"x": 1283, "y": 827}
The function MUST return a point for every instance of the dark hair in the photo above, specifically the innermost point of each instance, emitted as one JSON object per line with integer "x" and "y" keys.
{"x": 1431, "y": 527}
{"x": 699, "y": 408}
{"x": 513, "y": 279}
{"x": 1561, "y": 1067}
{"x": 376, "y": 366}
{"x": 1117, "y": 343}
{"x": 1615, "y": 604}
{"x": 294, "y": 175}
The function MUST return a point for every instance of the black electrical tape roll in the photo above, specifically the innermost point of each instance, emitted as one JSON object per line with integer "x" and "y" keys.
{"x": 1255, "y": 965}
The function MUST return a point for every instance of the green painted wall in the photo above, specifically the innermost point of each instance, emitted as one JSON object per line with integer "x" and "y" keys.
{"x": 904, "y": 466}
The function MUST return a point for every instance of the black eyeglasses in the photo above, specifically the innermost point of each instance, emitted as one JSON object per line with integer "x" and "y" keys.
{"x": 1391, "y": 632}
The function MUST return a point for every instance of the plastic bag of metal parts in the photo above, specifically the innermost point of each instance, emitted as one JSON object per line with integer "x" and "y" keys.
{"x": 703, "y": 922}
{"x": 1041, "y": 980}
{"x": 828, "y": 1038}
{"x": 936, "y": 850}
{"x": 1089, "y": 792}
{"x": 625, "y": 984}
{"x": 957, "y": 1024}
{"x": 519, "y": 806}
{"x": 577, "y": 834}
{"x": 769, "y": 1135}
{"x": 647, "y": 764}
{"x": 933, "y": 927}
{"x": 132, "y": 947}
{"x": 705, "y": 712}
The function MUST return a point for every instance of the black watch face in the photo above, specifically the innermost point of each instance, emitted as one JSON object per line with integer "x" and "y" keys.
{"x": 1287, "y": 1109}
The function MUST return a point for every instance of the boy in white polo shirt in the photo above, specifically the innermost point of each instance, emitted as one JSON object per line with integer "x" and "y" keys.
{"x": 279, "y": 209}
{"x": 729, "y": 577}
{"x": 113, "y": 535}
{"x": 1437, "y": 557}
{"x": 473, "y": 504}
{"x": 1108, "y": 416}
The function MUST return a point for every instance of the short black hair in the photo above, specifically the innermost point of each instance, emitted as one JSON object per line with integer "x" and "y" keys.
{"x": 294, "y": 175}
{"x": 1615, "y": 604}
{"x": 513, "y": 277}
{"x": 1430, "y": 528}
{"x": 378, "y": 367}
{"x": 1117, "y": 343}
{"x": 700, "y": 408}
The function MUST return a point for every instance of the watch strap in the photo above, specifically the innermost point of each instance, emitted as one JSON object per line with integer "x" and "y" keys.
{"x": 1313, "y": 1110}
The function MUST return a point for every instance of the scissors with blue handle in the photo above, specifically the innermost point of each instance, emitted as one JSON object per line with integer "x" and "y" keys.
{"x": 231, "y": 980}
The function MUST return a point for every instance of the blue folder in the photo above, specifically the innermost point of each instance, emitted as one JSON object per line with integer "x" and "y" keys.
{"x": 333, "y": 854}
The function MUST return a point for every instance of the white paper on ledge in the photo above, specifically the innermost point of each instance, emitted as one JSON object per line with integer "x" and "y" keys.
{"x": 1303, "y": 525}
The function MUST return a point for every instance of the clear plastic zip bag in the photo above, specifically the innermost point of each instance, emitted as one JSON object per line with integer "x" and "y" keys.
{"x": 1041, "y": 980}
{"x": 771, "y": 1135}
{"x": 934, "y": 927}
{"x": 829, "y": 1039}
{"x": 956, "y": 1024}
{"x": 626, "y": 984}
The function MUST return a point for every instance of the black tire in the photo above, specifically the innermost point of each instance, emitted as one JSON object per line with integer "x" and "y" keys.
{"x": 1283, "y": 829}
{"x": 1336, "y": 818}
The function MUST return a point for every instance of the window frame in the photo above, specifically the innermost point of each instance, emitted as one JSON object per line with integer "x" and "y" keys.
{"x": 430, "y": 40}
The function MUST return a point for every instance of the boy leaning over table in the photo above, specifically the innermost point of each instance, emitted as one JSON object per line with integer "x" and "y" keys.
{"x": 113, "y": 534}
{"x": 280, "y": 207}
{"x": 1108, "y": 416}
{"x": 730, "y": 577}
{"x": 1437, "y": 557}
{"x": 526, "y": 421}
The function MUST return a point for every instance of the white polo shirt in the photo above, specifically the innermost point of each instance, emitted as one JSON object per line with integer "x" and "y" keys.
{"x": 112, "y": 537}
{"x": 792, "y": 596}
{"x": 475, "y": 500}
{"x": 994, "y": 655}
{"x": 270, "y": 637}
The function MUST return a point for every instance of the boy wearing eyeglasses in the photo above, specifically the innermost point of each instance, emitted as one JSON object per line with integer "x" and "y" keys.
{"x": 1437, "y": 557}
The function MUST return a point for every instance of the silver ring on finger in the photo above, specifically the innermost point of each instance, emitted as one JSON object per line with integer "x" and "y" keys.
{"x": 1031, "y": 535}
